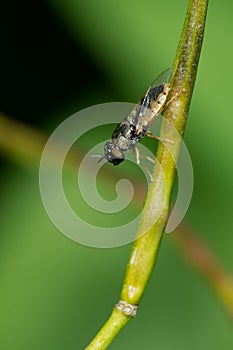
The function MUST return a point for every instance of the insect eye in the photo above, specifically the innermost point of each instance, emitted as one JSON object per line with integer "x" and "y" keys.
{"x": 116, "y": 153}
{"x": 116, "y": 156}
{"x": 113, "y": 154}
{"x": 116, "y": 161}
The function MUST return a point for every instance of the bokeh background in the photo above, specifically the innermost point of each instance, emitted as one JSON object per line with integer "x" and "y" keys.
{"x": 58, "y": 57}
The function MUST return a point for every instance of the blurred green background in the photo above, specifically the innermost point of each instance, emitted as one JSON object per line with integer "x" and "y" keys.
{"x": 57, "y": 58}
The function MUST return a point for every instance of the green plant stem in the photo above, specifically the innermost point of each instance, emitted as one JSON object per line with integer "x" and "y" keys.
{"x": 145, "y": 249}
{"x": 196, "y": 251}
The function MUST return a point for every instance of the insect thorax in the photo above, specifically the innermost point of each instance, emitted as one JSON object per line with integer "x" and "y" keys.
{"x": 125, "y": 135}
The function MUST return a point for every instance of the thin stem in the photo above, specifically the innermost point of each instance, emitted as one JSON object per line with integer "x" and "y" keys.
{"x": 145, "y": 249}
{"x": 196, "y": 251}
{"x": 206, "y": 263}
{"x": 19, "y": 142}
{"x": 112, "y": 327}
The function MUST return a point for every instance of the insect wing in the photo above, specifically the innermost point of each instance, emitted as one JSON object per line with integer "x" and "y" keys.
{"x": 154, "y": 90}
{"x": 164, "y": 77}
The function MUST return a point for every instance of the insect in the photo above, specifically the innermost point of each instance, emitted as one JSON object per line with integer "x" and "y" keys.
{"x": 135, "y": 126}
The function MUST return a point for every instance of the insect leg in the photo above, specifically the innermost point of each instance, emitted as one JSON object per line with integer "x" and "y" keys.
{"x": 138, "y": 156}
{"x": 149, "y": 134}
{"x": 148, "y": 158}
{"x": 137, "y": 153}
{"x": 177, "y": 94}
{"x": 148, "y": 172}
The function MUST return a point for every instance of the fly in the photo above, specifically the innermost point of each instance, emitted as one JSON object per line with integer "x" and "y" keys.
{"x": 136, "y": 124}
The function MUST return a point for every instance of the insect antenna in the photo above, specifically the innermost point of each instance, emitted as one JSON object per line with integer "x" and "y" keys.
{"x": 98, "y": 156}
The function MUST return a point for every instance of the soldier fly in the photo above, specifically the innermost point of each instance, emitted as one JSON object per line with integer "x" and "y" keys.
{"x": 135, "y": 126}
